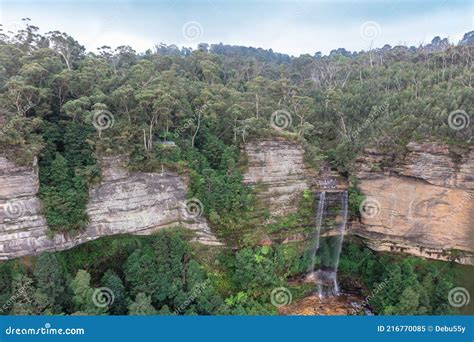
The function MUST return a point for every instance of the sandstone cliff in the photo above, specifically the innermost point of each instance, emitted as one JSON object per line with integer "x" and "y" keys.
{"x": 275, "y": 168}
{"x": 420, "y": 203}
{"x": 137, "y": 203}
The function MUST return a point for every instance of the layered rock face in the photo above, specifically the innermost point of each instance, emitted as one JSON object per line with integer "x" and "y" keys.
{"x": 420, "y": 204}
{"x": 277, "y": 171}
{"x": 138, "y": 203}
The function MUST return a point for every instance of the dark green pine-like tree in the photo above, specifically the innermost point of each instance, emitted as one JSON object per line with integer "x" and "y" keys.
{"x": 112, "y": 281}
{"x": 51, "y": 284}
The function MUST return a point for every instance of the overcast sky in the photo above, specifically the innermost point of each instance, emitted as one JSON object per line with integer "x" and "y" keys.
{"x": 290, "y": 26}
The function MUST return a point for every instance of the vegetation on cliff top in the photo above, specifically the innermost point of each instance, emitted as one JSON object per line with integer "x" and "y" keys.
{"x": 192, "y": 110}
{"x": 67, "y": 106}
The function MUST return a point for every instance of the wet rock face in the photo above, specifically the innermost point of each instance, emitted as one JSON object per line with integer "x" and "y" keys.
{"x": 422, "y": 204}
{"x": 138, "y": 203}
{"x": 277, "y": 171}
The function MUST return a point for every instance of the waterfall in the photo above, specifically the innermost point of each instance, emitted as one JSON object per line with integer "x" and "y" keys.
{"x": 341, "y": 229}
{"x": 317, "y": 230}
{"x": 329, "y": 249}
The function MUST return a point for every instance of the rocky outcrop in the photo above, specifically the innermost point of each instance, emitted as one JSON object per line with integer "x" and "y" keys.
{"x": 435, "y": 164}
{"x": 276, "y": 170}
{"x": 421, "y": 203}
{"x": 124, "y": 203}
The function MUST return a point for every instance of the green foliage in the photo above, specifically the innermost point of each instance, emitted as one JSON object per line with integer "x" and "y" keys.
{"x": 165, "y": 272}
{"x": 113, "y": 282}
{"x": 142, "y": 306}
{"x": 67, "y": 166}
{"x": 51, "y": 284}
{"x": 397, "y": 285}
{"x": 208, "y": 102}
{"x": 355, "y": 199}
{"x": 5, "y": 287}
{"x": 83, "y": 295}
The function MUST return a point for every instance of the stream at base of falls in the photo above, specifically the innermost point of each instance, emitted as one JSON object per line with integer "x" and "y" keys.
{"x": 326, "y": 299}
{"x": 313, "y": 305}
{"x": 346, "y": 302}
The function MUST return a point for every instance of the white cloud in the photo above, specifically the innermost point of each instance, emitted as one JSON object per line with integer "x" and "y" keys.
{"x": 305, "y": 28}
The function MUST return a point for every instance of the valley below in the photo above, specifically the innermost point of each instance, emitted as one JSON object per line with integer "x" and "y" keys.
{"x": 230, "y": 180}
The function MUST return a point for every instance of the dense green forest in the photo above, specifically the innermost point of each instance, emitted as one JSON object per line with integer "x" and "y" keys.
{"x": 163, "y": 274}
{"x": 67, "y": 107}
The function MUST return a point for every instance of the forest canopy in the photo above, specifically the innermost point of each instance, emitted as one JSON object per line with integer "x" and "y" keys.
{"x": 190, "y": 111}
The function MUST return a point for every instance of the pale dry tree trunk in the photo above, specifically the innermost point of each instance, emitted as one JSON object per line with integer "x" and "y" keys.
{"x": 197, "y": 128}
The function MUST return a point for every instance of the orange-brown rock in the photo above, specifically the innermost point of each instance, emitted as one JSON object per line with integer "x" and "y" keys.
{"x": 422, "y": 203}
{"x": 327, "y": 306}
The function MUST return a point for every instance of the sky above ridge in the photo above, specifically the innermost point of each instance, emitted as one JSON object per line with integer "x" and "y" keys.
{"x": 289, "y": 26}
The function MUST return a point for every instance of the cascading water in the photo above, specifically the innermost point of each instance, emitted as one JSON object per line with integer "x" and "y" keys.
{"x": 340, "y": 237}
{"x": 317, "y": 230}
{"x": 325, "y": 261}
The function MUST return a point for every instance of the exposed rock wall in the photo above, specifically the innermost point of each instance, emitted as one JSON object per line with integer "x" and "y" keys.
{"x": 138, "y": 203}
{"x": 421, "y": 203}
{"x": 277, "y": 171}
{"x": 423, "y": 200}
